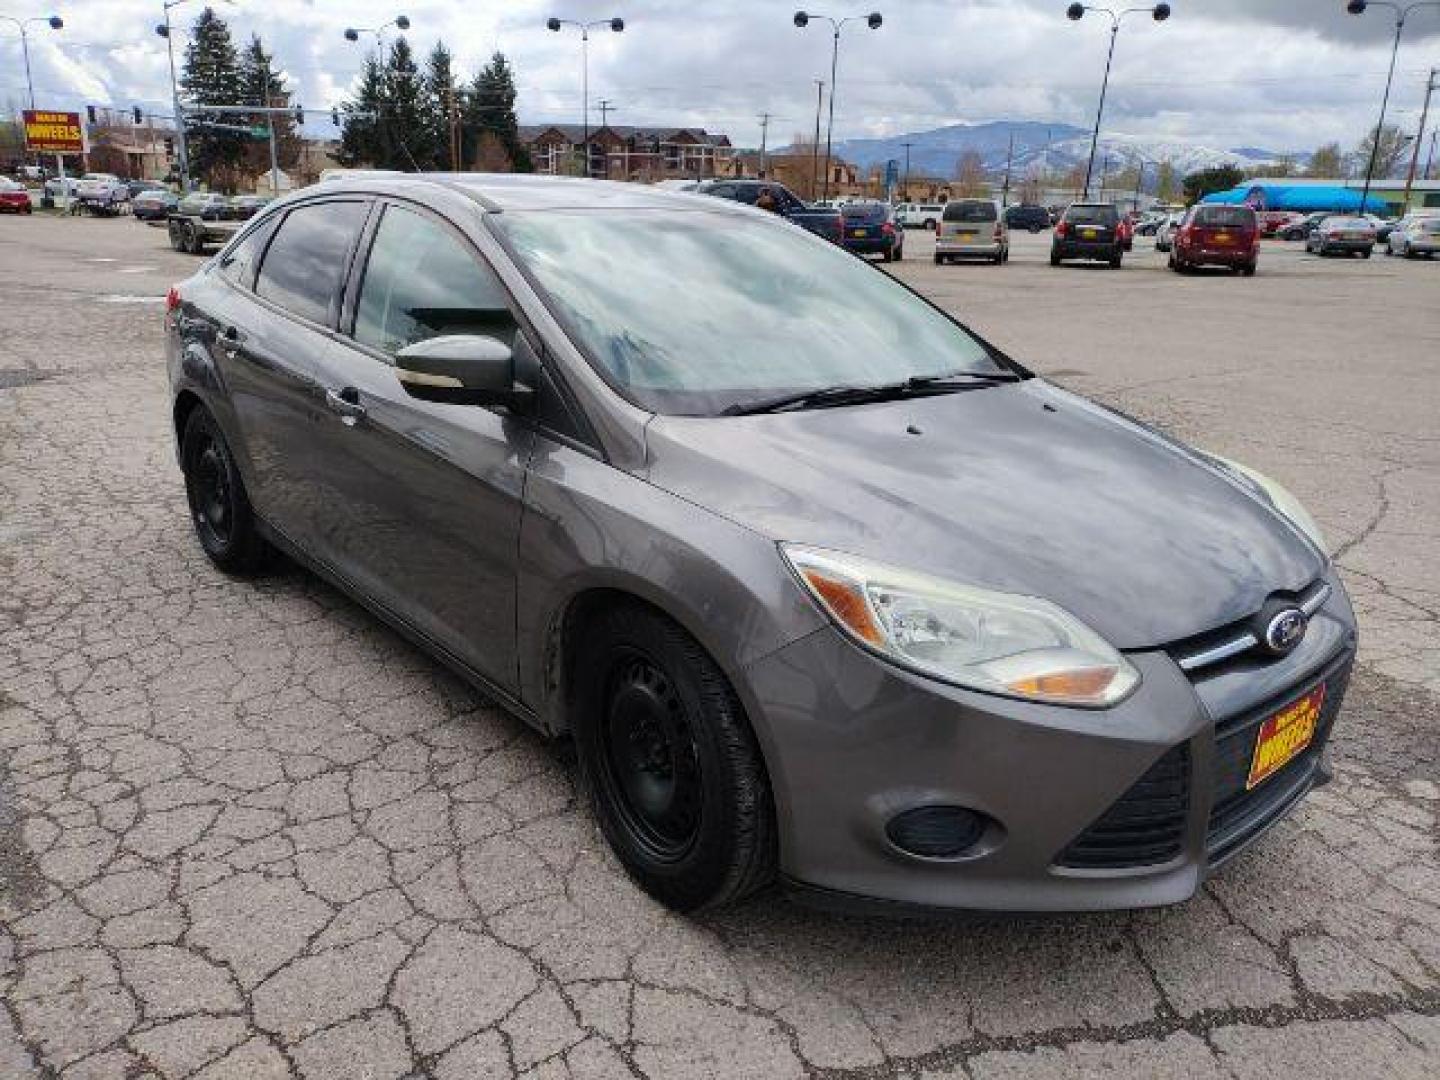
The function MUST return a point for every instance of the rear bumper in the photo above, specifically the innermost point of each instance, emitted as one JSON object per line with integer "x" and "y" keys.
{"x": 989, "y": 248}
{"x": 1128, "y": 807}
{"x": 1080, "y": 249}
{"x": 1345, "y": 245}
{"x": 1217, "y": 256}
{"x": 876, "y": 245}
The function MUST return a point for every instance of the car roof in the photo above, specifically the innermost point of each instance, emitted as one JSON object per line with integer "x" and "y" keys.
{"x": 518, "y": 191}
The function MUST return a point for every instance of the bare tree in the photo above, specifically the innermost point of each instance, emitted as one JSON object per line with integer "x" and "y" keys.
{"x": 970, "y": 174}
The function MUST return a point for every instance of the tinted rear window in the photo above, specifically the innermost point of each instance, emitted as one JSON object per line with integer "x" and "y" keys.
{"x": 305, "y": 263}
{"x": 864, "y": 212}
{"x": 1230, "y": 217}
{"x": 970, "y": 211}
{"x": 1092, "y": 215}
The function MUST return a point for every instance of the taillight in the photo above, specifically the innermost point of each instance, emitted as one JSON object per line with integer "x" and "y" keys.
{"x": 888, "y": 229}
{"x": 172, "y": 299}
{"x": 1062, "y": 229}
{"x": 999, "y": 233}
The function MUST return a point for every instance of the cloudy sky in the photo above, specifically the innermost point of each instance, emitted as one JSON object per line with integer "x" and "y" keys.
{"x": 1281, "y": 74}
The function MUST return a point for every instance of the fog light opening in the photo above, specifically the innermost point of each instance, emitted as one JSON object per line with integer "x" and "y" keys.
{"x": 937, "y": 832}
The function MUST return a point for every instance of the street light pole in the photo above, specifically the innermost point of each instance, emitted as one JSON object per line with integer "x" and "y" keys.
{"x": 802, "y": 20}
{"x": 616, "y": 25}
{"x": 1419, "y": 136}
{"x": 55, "y": 23}
{"x": 352, "y": 33}
{"x": 906, "y": 184}
{"x": 1075, "y": 12}
{"x": 815, "y": 143}
{"x": 1357, "y": 7}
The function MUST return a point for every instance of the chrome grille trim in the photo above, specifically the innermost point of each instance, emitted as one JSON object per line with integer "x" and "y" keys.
{"x": 1315, "y": 599}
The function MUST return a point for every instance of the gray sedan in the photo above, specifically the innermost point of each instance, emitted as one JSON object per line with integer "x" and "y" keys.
{"x": 825, "y": 589}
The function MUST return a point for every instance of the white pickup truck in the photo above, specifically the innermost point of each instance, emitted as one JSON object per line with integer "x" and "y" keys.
{"x": 102, "y": 193}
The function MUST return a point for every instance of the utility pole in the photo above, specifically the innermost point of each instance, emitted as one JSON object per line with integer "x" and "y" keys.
{"x": 1430, "y": 156}
{"x": 815, "y": 146}
{"x": 453, "y": 116}
{"x": 606, "y": 107}
{"x": 764, "y": 140}
{"x": 1104, "y": 170}
{"x": 906, "y": 183}
{"x": 1139, "y": 179}
{"x": 1419, "y": 138}
{"x": 1009, "y": 157}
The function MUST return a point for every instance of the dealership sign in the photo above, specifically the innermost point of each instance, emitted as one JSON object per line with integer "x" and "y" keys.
{"x": 53, "y": 132}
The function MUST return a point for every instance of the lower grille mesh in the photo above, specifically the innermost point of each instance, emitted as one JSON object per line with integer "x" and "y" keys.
{"x": 1145, "y": 826}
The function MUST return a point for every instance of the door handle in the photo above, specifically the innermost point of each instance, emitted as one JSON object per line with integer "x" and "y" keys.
{"x": 346, "y": 402}
{"x": 230, "y": 339}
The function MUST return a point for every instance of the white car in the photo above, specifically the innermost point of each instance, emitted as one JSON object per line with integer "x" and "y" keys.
{"x": 58, "y": 185}
{"x": 1165, "y": 234}
{"x": 1415, "y": 235}
{"x": 103, "y": 191}
{"x": 917, "y": 215}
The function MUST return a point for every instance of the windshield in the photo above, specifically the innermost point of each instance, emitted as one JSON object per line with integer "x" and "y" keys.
{"x": 1234, "y": 217}
{"x": 1092, "y": 215}
{"x": 1346, "y": 223}
{"x": 864, "y": 211}
{"x": 690, "y": 313}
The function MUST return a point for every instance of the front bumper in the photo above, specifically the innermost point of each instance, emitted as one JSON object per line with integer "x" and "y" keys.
{"x": 852, "y": 741}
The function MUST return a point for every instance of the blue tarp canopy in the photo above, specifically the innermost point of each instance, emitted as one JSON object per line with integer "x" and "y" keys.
{"x": 1304, "y": 198}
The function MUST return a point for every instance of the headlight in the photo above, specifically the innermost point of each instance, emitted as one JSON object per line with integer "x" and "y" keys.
{"x": 1281, "y": 499}
{"x": 1019, "y": 646}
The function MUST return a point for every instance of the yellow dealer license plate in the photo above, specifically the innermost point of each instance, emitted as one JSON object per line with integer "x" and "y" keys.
{"x": 1222, "y": 238}
{"x": 1285, "y": 735}
{"x": 857, "y": 232}
{"x": 1088, "y": 234}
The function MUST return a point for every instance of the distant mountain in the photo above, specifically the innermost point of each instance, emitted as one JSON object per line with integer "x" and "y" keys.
{"x": 1052, "y": 146}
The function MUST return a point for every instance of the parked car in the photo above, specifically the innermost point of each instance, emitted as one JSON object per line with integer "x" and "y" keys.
{"x": 1165, "y": 233}
{"x": 822, "y": 585}
{"x": 244, "y": 207}
{"x": 1301, "y": 230}
{"x": 870, "y": 229}
{"x": 822, "y": 222}
{"x": 1415, "y": 235}
{"x": 154, "y": 205}
{"x": 972, "y": 228}
{"x": 205, "y": 205}
{"x": 1149, "y": 224}
{"x": 138, "y": 187}
{"x": 1217, "y": 235}
{"x": 1125, "y": 228}
{"x": 1271, "y": 222}
{"x": 1342, "y": 235}
{"x": 1088, "y": 231}
{"x": 102, "y": 193}
{"x": 58, "y": 186}
{"x": 14, "y": 197}
{"x": 920, "y": 215}
{"x": 1027, "y": 216}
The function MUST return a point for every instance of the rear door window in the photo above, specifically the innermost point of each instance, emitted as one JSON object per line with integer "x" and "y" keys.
{"x": 1225, "y": 217}
{"x": 422, "y": 281}
{"x": 305, "y": 264}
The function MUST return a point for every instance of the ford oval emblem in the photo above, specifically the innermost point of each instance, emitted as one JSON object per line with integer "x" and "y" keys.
{"x": 1284, "y": 630}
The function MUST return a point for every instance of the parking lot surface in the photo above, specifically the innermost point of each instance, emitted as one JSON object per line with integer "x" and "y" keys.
{"x": 247, "y": 832}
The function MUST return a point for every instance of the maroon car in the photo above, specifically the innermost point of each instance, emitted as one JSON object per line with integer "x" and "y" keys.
{"x": 1271, "y": 222}
{"x": 1217, "y": 235}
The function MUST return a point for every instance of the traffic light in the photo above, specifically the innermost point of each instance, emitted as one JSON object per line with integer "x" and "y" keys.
{"x": 90, "y": 114}
{"x": 299, "y": 114}
{"x": 138, "y": 115}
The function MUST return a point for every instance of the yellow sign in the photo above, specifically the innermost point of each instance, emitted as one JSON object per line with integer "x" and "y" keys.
{"x": 1283, "y": 736}
{"x": 53, "y": 132}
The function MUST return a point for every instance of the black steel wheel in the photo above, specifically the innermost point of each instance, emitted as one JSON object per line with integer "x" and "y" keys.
{"x": 219, "y": 508}
{"x": 674, "y": 774}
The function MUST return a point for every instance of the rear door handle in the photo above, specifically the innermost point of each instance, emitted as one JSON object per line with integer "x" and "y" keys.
{"x": 346, "y": 402}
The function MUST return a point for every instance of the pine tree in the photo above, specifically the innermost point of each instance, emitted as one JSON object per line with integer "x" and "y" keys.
{"x": 440, "y": 93}
{"x": 404, "y": 134}
{"x": 360, "y": 141}
{"x": 490, "y": 106}
{"x": 266, "y": 86}
{"x": 212, "y": 77}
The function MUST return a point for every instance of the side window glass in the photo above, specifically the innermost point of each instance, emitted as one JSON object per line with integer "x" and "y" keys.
{"x": 305, "y": 263}
{"x": 421, "y": 282}
{"x": 237, "y": 263}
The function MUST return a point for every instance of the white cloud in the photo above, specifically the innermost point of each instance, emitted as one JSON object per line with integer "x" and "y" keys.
{"x": 1279, "y": 73}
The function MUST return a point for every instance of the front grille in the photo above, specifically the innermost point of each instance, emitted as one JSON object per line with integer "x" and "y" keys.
{"x": 1237, "y": 814}
{"x": 1146, "y": 826}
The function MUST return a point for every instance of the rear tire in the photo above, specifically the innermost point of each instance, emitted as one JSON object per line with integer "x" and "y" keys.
{"x": 938, "y": 260}
{"x": 1115, "y": 262}
{"x": 220, "y": 510}
{"x": 1248, "y": 270}
{"x": 673, "y": 771}
{"x": 1054, "y": 260}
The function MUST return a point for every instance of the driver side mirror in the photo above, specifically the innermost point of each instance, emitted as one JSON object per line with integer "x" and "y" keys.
{"x": 462, "y": 369}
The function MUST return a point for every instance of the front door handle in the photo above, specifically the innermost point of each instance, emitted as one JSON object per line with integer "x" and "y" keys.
{"x": 346, "y": 402}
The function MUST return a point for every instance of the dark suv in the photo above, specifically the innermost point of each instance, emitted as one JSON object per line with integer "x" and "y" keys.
{"x": 1088, "y": 231}
{"x": 1030, "y": 218}
{"x": 819, "y": 220}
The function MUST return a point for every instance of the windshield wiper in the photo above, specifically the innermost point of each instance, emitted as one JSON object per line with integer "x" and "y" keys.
{"x": 858, "y": 395}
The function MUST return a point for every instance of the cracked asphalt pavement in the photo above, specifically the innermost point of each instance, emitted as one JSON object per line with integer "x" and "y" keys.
{"x": 246, "y": 832}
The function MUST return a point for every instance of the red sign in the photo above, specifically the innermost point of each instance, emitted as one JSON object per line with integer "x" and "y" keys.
{"x": 53, "y": 132}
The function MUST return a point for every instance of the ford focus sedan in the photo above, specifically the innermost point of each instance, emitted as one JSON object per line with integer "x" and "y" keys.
{"x": 825, "y": 589}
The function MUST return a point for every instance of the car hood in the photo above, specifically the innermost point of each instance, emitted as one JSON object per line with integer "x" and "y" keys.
{"x": 1022, "y": 488}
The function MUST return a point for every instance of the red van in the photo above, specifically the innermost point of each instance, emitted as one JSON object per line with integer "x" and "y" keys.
{"x": 1217, "y": 235}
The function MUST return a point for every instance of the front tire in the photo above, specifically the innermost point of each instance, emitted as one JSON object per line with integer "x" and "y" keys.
{"x": 220, "y": 510}
{"x": 674, "y": 774}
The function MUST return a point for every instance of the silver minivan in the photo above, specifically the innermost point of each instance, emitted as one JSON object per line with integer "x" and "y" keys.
{"x": 972, "y": 228}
